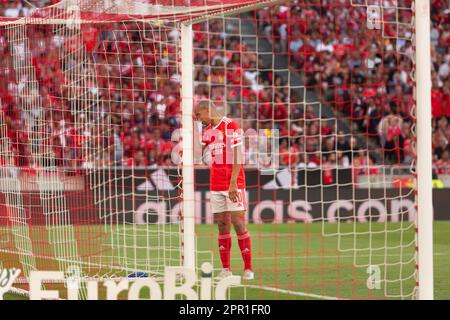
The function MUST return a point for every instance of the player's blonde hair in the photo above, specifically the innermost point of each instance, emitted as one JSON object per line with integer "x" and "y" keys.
{"x": 205, "y": 103}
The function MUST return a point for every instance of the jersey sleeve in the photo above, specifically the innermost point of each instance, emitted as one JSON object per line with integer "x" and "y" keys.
{"x": 206, "y": 136}
{"x": 235, "y": 134}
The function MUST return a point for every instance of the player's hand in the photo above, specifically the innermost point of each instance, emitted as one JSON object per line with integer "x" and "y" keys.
{"x": 233, "y": 192}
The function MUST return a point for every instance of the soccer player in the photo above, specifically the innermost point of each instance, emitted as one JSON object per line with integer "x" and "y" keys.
{"x": 227, "y": 182}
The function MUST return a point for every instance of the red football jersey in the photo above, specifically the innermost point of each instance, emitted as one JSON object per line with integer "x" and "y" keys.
{"x": 220, "y": 140}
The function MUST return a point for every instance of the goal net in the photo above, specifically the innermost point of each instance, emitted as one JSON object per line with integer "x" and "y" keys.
{"x": 96, "y": 117}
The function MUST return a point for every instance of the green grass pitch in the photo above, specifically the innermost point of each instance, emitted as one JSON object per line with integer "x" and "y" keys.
{"x": 295, "y": 261}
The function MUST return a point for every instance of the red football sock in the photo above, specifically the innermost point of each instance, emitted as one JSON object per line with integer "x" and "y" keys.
{"x": 224, "y": 249}
{"x": 246, "y": 249}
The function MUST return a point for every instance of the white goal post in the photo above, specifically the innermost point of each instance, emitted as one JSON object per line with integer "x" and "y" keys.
{"x": 188, "y": 145}
{"x": 424, "y": 150}
{"x": 130, "y": 223}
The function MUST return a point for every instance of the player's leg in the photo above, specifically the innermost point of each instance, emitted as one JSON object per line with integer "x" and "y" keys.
{"x": 237, "y": 211}
{"x": 222, "y": 217}
{"x": 244, "y": 241}
{"x": 223, "y": 223}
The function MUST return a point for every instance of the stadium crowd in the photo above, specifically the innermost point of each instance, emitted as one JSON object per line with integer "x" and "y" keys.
{"x": 366, "y": 83}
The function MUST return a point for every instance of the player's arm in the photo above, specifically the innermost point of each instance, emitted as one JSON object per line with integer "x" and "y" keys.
{"x": 199, "y": 145}
{"x": 233, "y": 190}
{"x": 236, "y": 167}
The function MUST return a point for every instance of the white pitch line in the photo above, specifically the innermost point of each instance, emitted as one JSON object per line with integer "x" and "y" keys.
{"x": 294, "y": 293}
{"x": 316, "y": 256}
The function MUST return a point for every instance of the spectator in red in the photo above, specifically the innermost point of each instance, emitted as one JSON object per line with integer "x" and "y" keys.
{"x": 437, "y": 100}
{"x": 441, "y": 136}
{"x": 390, "y": 132}
{"x": 406, "y": 147}
{"x": 443, "y": 164}
{"x": 446, "y": 100}
{"x": 138, "y": 160}
{"x": 329, "y": 164}
{"x": 325, "y": 127}
{"x": 364, "y": 164}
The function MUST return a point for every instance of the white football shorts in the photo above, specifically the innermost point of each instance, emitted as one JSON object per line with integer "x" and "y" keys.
{"x": 221, "y": 202}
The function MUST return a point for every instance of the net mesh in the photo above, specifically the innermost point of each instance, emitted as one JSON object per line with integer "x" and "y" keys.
{"x": 86, "y": 102}
{"x": 91, "y": 91}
